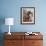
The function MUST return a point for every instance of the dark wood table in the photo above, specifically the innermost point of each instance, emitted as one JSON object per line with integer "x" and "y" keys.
{"x": 20, "y": 39}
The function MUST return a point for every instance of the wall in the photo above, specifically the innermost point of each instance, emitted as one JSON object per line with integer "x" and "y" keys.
{"x": 11, "y": 8}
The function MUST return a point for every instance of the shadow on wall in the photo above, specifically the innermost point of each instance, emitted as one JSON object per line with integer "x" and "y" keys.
{"x": 2, "y": 21}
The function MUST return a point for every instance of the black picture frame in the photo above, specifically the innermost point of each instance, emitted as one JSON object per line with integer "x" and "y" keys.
{"x": 27, "y": 15}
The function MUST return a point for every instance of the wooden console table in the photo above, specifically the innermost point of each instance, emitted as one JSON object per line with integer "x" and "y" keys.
{"x": 20, "y": 39}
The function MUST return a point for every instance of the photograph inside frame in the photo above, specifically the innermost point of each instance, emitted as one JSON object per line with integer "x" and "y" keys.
{"x": 28, "y": 15}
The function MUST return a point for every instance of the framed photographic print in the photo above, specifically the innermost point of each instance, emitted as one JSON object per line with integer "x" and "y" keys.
{"x": 27, "y": 15}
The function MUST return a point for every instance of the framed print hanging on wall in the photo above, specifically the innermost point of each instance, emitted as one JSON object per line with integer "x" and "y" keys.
{"x": 27, "y": 15}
